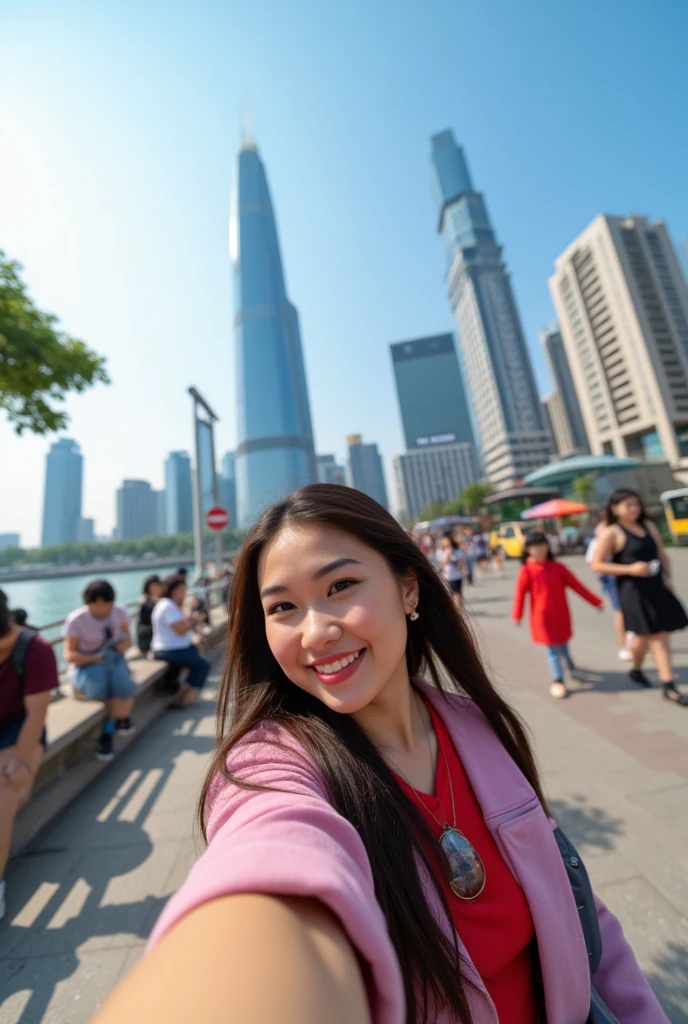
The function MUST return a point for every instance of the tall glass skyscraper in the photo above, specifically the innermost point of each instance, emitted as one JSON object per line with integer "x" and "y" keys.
{"x": 62, "y": 501}
{"x": 178, "y": 497}
{"x": 513, "y": 437}
{"x": 275, "y": 452}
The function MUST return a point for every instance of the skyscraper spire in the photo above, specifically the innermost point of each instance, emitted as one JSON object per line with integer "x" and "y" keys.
{"x": 247, "y": 141}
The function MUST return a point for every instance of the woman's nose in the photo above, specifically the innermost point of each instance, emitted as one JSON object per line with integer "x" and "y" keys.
{"x": 319, "y": 629}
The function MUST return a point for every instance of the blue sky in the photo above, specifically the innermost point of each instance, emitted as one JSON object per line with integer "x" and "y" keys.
{"x": 121, "y": 120}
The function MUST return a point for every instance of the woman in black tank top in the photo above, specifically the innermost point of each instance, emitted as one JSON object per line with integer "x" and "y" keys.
{"x": 631, "y": 550}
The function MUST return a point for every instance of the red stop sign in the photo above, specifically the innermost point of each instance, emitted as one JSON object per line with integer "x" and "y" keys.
{"x": 217, "y": 518}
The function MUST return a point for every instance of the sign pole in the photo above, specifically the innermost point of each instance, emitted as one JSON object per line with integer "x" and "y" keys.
{"x": 196, "y": 496}
{"x": 216, "y": 500}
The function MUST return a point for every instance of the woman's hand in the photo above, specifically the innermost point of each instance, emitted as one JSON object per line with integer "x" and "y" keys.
{"x": 639, "y": 569}
{"x": 18, "y": 773}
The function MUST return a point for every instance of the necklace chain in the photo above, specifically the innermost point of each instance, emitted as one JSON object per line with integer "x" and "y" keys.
{"x": 446, "y": 825}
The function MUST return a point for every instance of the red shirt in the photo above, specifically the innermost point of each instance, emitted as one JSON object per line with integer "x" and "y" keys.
{"x": 40, "y": 674}
{"x": 546, "y": 582}
{"x": 496, "y": 928}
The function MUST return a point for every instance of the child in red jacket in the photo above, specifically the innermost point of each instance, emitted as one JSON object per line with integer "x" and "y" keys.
{"x": 546, "y": 581}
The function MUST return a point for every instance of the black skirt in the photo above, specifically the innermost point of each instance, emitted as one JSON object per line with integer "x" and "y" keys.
{"x": 649, "y": 607}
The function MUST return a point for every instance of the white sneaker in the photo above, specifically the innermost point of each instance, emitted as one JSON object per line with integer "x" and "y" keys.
{"x": 625, "y": 655}
{"x": 2, "y": 898}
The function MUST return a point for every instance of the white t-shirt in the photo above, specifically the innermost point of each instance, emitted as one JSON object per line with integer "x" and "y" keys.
{"x": 164, "y": 637}
{"x": 452, "y": 570}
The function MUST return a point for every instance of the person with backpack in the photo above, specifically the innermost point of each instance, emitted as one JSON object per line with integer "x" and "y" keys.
{"x": 28, "y": 674}
{"x": 546, "y": 581}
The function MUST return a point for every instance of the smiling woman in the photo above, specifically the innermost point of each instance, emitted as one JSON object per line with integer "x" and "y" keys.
{"x": 378, "y": 846}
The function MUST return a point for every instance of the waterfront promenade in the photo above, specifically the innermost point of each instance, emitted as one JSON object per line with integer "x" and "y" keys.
{"x": 83, "y": 897}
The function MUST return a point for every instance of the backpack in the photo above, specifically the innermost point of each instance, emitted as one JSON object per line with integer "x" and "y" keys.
{"x": 19, "y": 653}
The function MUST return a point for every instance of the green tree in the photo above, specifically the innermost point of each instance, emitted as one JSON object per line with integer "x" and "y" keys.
{"x": 473, "y": 497}
{"x": 39, "y": 364}
{"x": 584, "y": 489}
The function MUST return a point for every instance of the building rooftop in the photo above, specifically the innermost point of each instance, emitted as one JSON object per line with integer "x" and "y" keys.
{"x": 565, "y": 470}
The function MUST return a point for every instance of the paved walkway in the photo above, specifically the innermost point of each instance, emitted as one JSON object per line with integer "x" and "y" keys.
{"x": 82, "y": 899}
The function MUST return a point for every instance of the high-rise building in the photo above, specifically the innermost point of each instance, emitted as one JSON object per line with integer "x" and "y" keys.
{"x": 137, "y": 510}
{"x": 178, "y": 495}
{"x": 432, "y": 399}
{"x": 559, "y": 425}
{"x": 161, "y": 512}
{"x": 86, "y": 533}
{"x": 513, "y": 438}
{"x": 275, "y": 451}
{"x": 365, "y": 469}
{"x": 568, "y": 409}
{"x": 438, "y": 473}
{"x": 329, "y": 470}
{"x": 227, "y": 486}
{"x": 62, "y": 500}
{"x": 622, "y": 306}
{"x": 9, "y": 540}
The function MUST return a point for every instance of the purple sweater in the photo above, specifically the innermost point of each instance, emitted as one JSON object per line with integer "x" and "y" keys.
{"x": 294, "y": 843}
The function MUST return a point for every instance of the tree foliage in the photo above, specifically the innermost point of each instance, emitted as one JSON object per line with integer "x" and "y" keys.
{"x": 39, "y": 364}
{"x": 85, "y": 554}
{"x": 473, "y": 497}
{"x": 584, "y": 489}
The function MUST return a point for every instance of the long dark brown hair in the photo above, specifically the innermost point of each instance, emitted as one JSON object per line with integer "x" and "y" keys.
{"x": 616, "y": 497}
{"x": 361, "y": 787}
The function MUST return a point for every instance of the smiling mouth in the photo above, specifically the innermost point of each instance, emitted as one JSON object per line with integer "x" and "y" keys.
{"x": 339, "y": 668}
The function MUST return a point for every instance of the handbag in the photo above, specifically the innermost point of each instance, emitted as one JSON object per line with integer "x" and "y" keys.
{"x": 587, "y": 912}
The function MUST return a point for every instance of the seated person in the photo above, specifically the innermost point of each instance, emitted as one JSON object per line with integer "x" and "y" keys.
{"x": 96, "y": 637}
{"x": 172, "y": 640}
{"x": 20, "y": 615}
{"x": 152, "y": 588}
{"x": 28, "y": 673}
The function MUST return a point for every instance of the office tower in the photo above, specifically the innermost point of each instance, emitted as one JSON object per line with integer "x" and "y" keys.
{"x": 559, "y": 425}
{"x": 227, "y": 486}
{"x": 684, "y": 253}
{"x": 622, "y": 306}
{"x": 365, "y": 469}
{"x": 512, "y": 435}
{"x": 275, "y": 451}
{"x": 329, "y": 470}
{"x": 432, "y": 400}
{"x": 161, "y": 512}
{"x": 436, "y": 473}
{"x": 178, "y": 500}
{"x": 570, "y": 429}
{"x": 86, "y": 534}
{"x": 62, "y": 500}
{"x": 9, "y": 540}
{"x": 136, "y": 510}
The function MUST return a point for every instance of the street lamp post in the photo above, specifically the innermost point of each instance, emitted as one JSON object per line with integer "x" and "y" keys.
{"x": 207, "y": 422}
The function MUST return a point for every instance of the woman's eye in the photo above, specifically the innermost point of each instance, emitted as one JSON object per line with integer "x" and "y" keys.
{"x": 283, "y": 606}
{"x": 341, "y": 585}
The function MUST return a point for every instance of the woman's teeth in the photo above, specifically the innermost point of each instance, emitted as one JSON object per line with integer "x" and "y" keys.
{"x": 336, "y": 666}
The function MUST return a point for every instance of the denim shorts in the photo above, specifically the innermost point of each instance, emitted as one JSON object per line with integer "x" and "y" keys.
{"x": 10, "y": 729}
{"x": 104, "y": 679}
{"x": 611, "y": 591}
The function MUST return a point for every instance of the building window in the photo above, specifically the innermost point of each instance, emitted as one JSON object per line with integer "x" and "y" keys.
{"x": 608, "y": 448}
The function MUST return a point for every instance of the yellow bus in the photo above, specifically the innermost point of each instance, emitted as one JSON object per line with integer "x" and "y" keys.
{"x": 676, "y": 512}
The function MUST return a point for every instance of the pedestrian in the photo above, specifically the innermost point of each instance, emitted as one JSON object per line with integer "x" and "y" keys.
{"x": 480, "y": 547}
{"x": 379, "y": 847}
{"x": 497, "y": 558}
{"x": 20, "y": 618}
{"x": 465, "y": 542}
{"x": 630, "y": 548}
{"x": 151, "y": 593}
{"x": 96, "y": 638}
{"x": 545, "y": 580}
{"x": 611, "y": 592}
{"x": 28, "y": 674}
{"x": 172, "y": 640}
{"x": 451, "y": 562}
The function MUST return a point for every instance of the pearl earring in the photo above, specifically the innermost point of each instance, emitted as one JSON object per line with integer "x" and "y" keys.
{"x": 414, "y": 616}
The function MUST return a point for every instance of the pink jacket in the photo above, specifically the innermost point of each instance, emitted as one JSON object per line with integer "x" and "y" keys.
{"x": 295, "y": 843}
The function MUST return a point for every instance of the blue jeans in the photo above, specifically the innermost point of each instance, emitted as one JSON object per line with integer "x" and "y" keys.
{"x": 188, "y": 657}
{"x": 610, "y": 590}
{"x": 105, "y": 679}
{"x": 556, "y": 654}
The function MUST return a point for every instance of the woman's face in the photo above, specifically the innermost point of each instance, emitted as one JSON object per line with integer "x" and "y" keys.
{"x": 155, "y": 591}
{"x": 178, "y": 594}
{"x": 446, "y": 544}
{"x": 335, "y": 615}
{"x": 628, "y": 510}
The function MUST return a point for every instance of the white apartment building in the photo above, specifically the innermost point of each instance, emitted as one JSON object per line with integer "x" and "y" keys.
{"x": 436, "y": 473}
{"x": 622, "y": 305}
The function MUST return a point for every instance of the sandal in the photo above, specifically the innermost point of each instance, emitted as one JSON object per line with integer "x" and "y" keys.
{"x": 558, "y": 690}
{"x": 672, "y": 694}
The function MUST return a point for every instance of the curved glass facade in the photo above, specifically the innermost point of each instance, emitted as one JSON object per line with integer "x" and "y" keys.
{"x": 275, "y": 452}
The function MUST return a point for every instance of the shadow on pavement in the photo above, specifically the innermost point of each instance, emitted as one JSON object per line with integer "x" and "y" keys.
{"x": 669, "y": 979}
{"x": 608, "y": 682}
{"x": 78, "y": 860}
{"x": 586, "y": 824}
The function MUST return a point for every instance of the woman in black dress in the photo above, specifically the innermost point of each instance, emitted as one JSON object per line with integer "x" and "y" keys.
{"x": 631, "y": 549}
{"x": 152, "y": 589}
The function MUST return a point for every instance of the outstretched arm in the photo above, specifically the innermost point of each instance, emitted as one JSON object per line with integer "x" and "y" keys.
{"x": 575, "y": 584}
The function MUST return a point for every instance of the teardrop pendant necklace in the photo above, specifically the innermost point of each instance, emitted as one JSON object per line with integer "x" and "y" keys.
{"x": 466, "y": 870}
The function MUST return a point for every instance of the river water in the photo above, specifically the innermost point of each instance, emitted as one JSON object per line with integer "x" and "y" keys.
{"x": 52, "y": 599}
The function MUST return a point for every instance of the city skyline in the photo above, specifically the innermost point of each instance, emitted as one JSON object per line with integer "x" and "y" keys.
{"x": 356, "y": 211}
